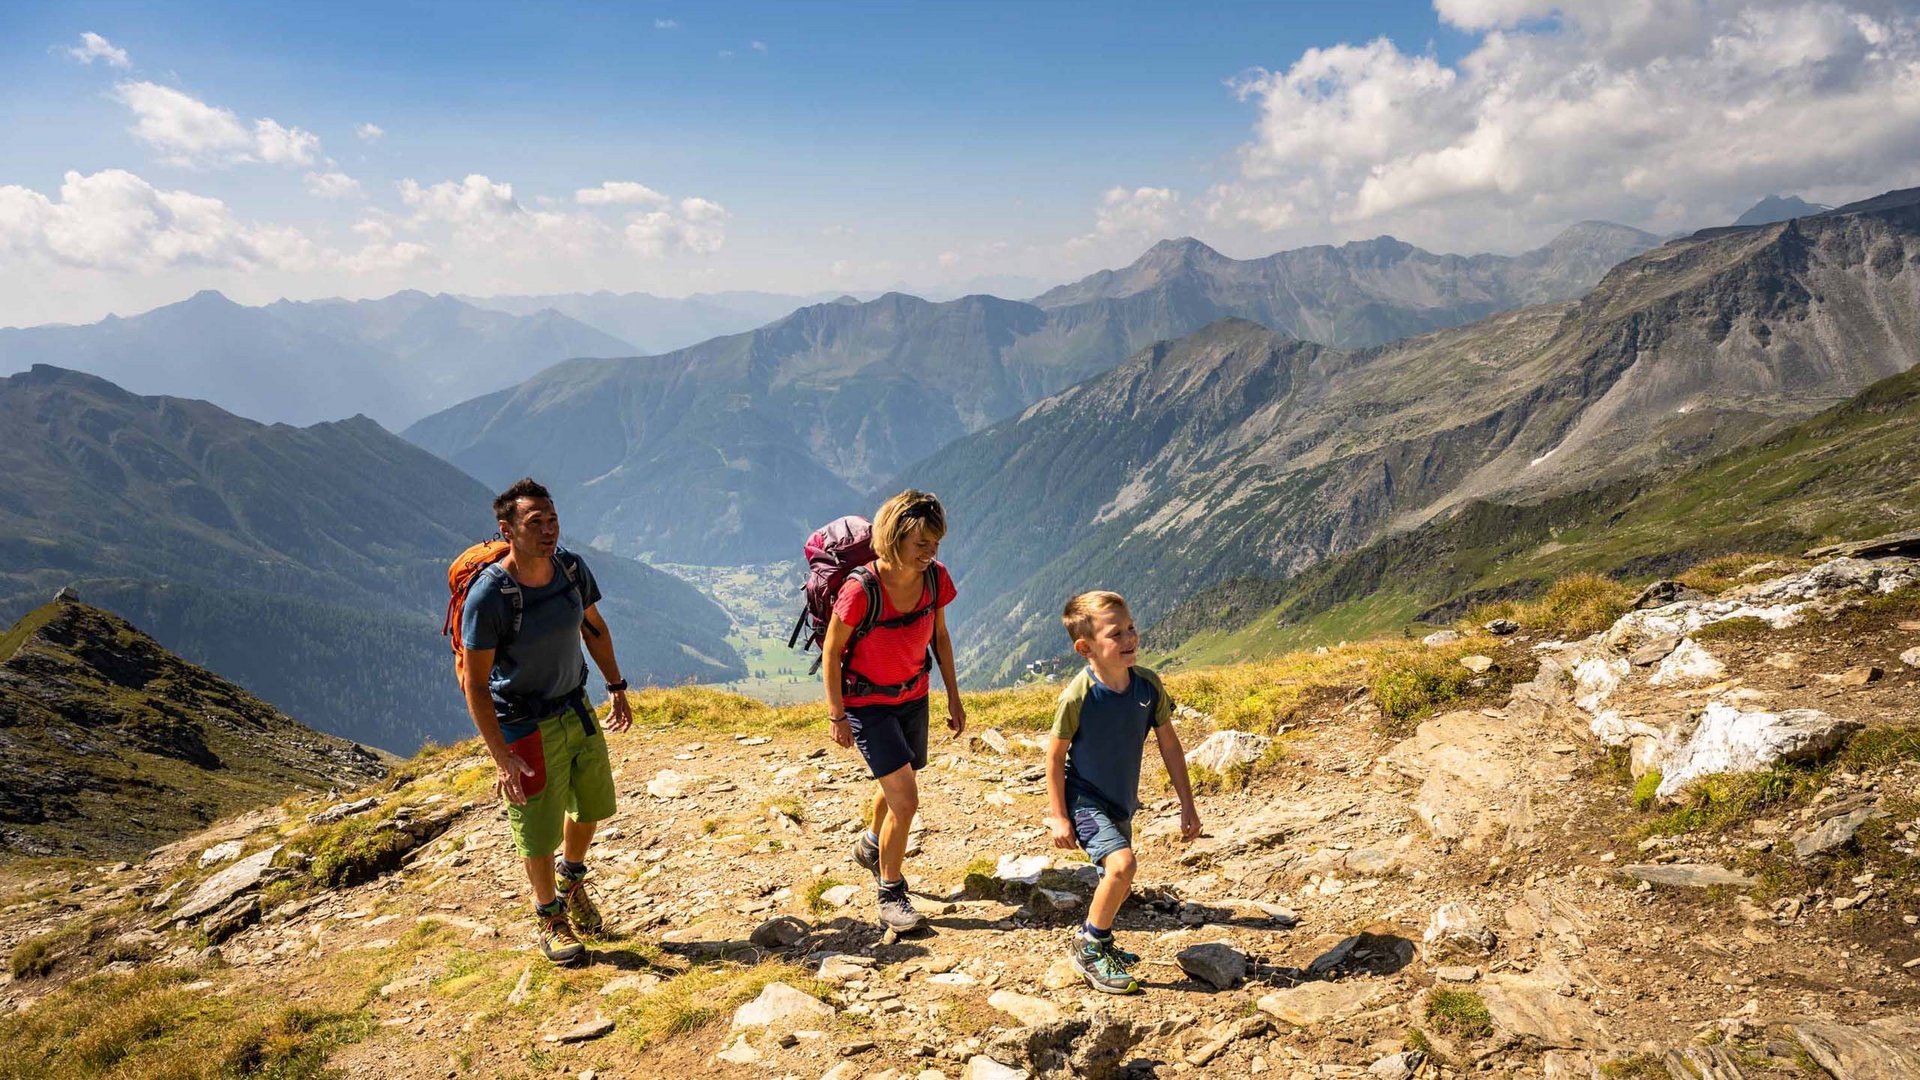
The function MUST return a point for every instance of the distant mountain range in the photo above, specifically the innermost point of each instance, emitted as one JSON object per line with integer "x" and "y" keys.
{"x": 307, "y": 564}
{"x": 114, "y": 745}
{"x": 655, "y": 324}
{"x": 731, "y": 450}
{"x": 395, "y": 359}
{"x": 1239, "y": 450}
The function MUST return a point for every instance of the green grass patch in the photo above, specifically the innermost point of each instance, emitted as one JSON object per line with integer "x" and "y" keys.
{"x": 1580, "y": 604}
{"x": 815, "y": 895}
{"x": 1880, "y": 747}
{"x": 1719, "y": 802}
{"x": 1636, "y": 1067}
{"x": 980, "y": 881}
{"x": 1723, "y": 572}
{"x": 1744, "y": 628}
{"x": 1644, "y": 789}
{"x": 1458, "y": 1012}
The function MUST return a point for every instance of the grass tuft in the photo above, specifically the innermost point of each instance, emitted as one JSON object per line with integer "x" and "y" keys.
{"x": 1459, "y": 1012}
{"x": 1576, "y": 605}
{"x": 816, "y": 895}
{"x": 1644, "y": 789}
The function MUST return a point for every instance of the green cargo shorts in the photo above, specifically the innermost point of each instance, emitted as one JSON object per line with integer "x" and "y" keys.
{"x": 577, "y": 782}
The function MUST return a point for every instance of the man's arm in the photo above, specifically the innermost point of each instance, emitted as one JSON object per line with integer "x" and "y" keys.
{"x": 943, "y": 654}
{"x": 474, "y": 675}
{"x": 1058, "y": 824}
{"x": 600, "y": 646}
{"x": 1176, "y": 761}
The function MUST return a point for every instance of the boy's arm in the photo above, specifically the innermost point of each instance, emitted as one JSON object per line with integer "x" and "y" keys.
{"x": 1057, "y": 821}
{"x": 1176, "y": 761}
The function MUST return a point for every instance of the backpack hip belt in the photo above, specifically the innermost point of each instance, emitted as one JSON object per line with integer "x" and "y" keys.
{"x": 529, "y": 707}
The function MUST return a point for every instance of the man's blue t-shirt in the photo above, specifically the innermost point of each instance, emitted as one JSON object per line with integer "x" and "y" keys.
{"x": 544, "y": 660}
{"x": 1107, "y": 729}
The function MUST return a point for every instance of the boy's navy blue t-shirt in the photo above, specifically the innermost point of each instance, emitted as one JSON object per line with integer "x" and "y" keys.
{"x": 544, "y": 660}
{"x": 1107, "y": 730}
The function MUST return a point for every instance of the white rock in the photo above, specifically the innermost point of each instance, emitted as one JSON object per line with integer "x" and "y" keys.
{"x": 1911, "y": 657}
{"x": 1225, "y": 750}
{"x": 1457, "y": 930}
{"x": 841, "y": 895}
{"x": 217, "y": 890}
{"x": 1728, "y": 740}
{"x": 1595, "y": 678}
{"x": 668, "y": 784}
{"x": 982, "y": 1067}
{"x": 1439, "y": 638}
{"x": 1059, "y": 899}
{"x": 1030, "y": 1011}
{"x": 220, "y": 853}
{"x": 1021, "y": 869}
{"x": 739, "y": 1052}
{"x": 1688, "y": 665}
{"x": 780, "y": 1004}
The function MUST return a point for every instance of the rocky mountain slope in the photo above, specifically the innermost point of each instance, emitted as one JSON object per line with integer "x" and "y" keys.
{"x": 1240, "y": 451}
{"x": 112, "y": 744}
{"x": 394, "y": 359}
{"x": 1385, "y": 892}
{"x": 1844, "y": 472}
{"x": 728, "y": 451}
{"x": 307, "y": 564}
{"x": 1779, "y": 208}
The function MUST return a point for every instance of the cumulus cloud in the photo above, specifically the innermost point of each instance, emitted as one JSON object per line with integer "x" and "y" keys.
{"x": 619, "y": 192}
{"x": 332, "y": 184}
{"x": 1139, "y": 211}
{"x": 94, "y": 47}
{"x": 188, "y": 131}
{"x": 699, "y": 226}
{"x": 369, "y": 132}
{"x": 1666, "y": 113}
{"x": 115, "y": 221}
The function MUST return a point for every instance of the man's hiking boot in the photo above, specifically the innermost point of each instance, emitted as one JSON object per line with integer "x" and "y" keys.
{"x": 897, "y": 913}
{"x": 581, "y": 910}
{"x": 867, "y": 854}
{"x": 1098, "y": 962}
{"x": 557, "y": 940}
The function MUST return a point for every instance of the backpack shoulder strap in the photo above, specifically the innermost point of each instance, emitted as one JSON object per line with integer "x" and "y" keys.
{"x": 869, "y": 584}
{"x": 516, "y": 601}
{"x": 570, "y": 565}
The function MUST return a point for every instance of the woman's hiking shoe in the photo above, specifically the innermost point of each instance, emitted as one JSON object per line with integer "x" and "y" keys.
{"x": 557, "y": 940}
{"x": 897, "y": 913}
{"x": 581, "y": 910}
{"x": 1098, "y": 963}
{"x": 867, "y": 854}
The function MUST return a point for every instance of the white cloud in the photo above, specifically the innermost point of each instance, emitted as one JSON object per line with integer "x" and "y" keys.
{"x": 332, "y": 184}
{"x": 666, "y": 24}
{"x": 699, "y": 227}
{"x": 1145, "y": 211}
{"x": 759, "y": 47}
{"x": 1667, "y": 113}
{"x": 115, "y": 221}
{"x": 369, "y": 132}
{"x": 619, "y": 192}
{"x": 188, "y": 131}
{"x": 949, "y": 260}
{"x": 94, "y": 47}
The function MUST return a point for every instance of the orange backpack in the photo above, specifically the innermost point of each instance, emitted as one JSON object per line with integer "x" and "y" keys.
{"x": 467, "y": 568}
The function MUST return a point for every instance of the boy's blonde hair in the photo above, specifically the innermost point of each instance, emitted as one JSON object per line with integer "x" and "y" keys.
{"x": 1078, "y": 615}
{"x": 899, "y": 516}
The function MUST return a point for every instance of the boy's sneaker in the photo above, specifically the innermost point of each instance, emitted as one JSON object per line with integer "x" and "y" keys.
{"x": 557, "y": 940}
{"x": 867, "y": 854}
{"x": 897, "y": 913}
{"x": 581, "y": 910}
{"x": 1098, "y": 963}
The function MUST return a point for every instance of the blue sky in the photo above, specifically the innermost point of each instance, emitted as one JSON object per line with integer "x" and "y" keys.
{"x": 811, "y": 147}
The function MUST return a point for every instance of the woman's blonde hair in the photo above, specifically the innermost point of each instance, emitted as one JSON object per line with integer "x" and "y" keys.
{"x": 899, "y": 516}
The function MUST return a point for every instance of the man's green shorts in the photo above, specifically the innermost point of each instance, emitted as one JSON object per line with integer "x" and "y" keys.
{"x": 579, "y": 784}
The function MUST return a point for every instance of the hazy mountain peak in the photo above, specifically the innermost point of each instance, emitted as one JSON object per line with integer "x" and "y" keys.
{"x": 1779, "y": 208}
{"x": 208, "y": 298}
{"x": 1582, "y": 233}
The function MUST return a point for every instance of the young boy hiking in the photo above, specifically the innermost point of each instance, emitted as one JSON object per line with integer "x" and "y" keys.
{"x": 877, "y": 685}
{"x": 521, "y": 626}
{"x": 1093, "y": 771}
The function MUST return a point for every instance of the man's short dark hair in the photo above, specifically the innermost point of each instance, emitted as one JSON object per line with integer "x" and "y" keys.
{"x": 507, "y": 503}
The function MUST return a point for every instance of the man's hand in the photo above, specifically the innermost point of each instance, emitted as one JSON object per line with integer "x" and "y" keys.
{"x": 1062, "y": 831}
{"x": 956, "y": 715}
{"x": 840, "y": 729}
{"x": 620, "y": 716}
{"x": 1189, "y": 823}
{"x": 508, "y": 782}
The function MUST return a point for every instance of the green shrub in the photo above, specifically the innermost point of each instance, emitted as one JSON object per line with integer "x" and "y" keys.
{"x": 1643, "y": 790}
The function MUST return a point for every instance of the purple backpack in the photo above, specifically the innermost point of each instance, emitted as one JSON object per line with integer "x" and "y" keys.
{"x": 840, "y": 549}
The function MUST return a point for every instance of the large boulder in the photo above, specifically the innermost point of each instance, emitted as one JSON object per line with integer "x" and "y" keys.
{"x": 1456, "y": 932}
{"x": 1730, "y": 740}
{"x": 1225, "y": 750}
{"x": 219, "y": 890}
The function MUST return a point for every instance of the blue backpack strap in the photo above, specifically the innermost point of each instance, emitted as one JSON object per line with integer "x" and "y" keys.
{"x": 516, "y": 602}
{"x": 570, "y": 565}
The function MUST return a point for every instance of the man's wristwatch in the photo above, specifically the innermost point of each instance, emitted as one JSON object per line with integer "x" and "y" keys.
{"x": 616, "y": 687}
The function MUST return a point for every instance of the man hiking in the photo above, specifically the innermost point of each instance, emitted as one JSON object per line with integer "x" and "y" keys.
{"x": 521, "y": 627}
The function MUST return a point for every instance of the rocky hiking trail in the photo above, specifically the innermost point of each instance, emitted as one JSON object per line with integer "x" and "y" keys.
{"x": 1479, "y": 896}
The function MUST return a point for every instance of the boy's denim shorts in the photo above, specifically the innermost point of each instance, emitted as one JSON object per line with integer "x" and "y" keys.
{"x": 1099, "y": 832}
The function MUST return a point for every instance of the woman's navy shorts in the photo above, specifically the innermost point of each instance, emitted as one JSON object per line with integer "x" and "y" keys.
{"x": 890, "y": 736}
